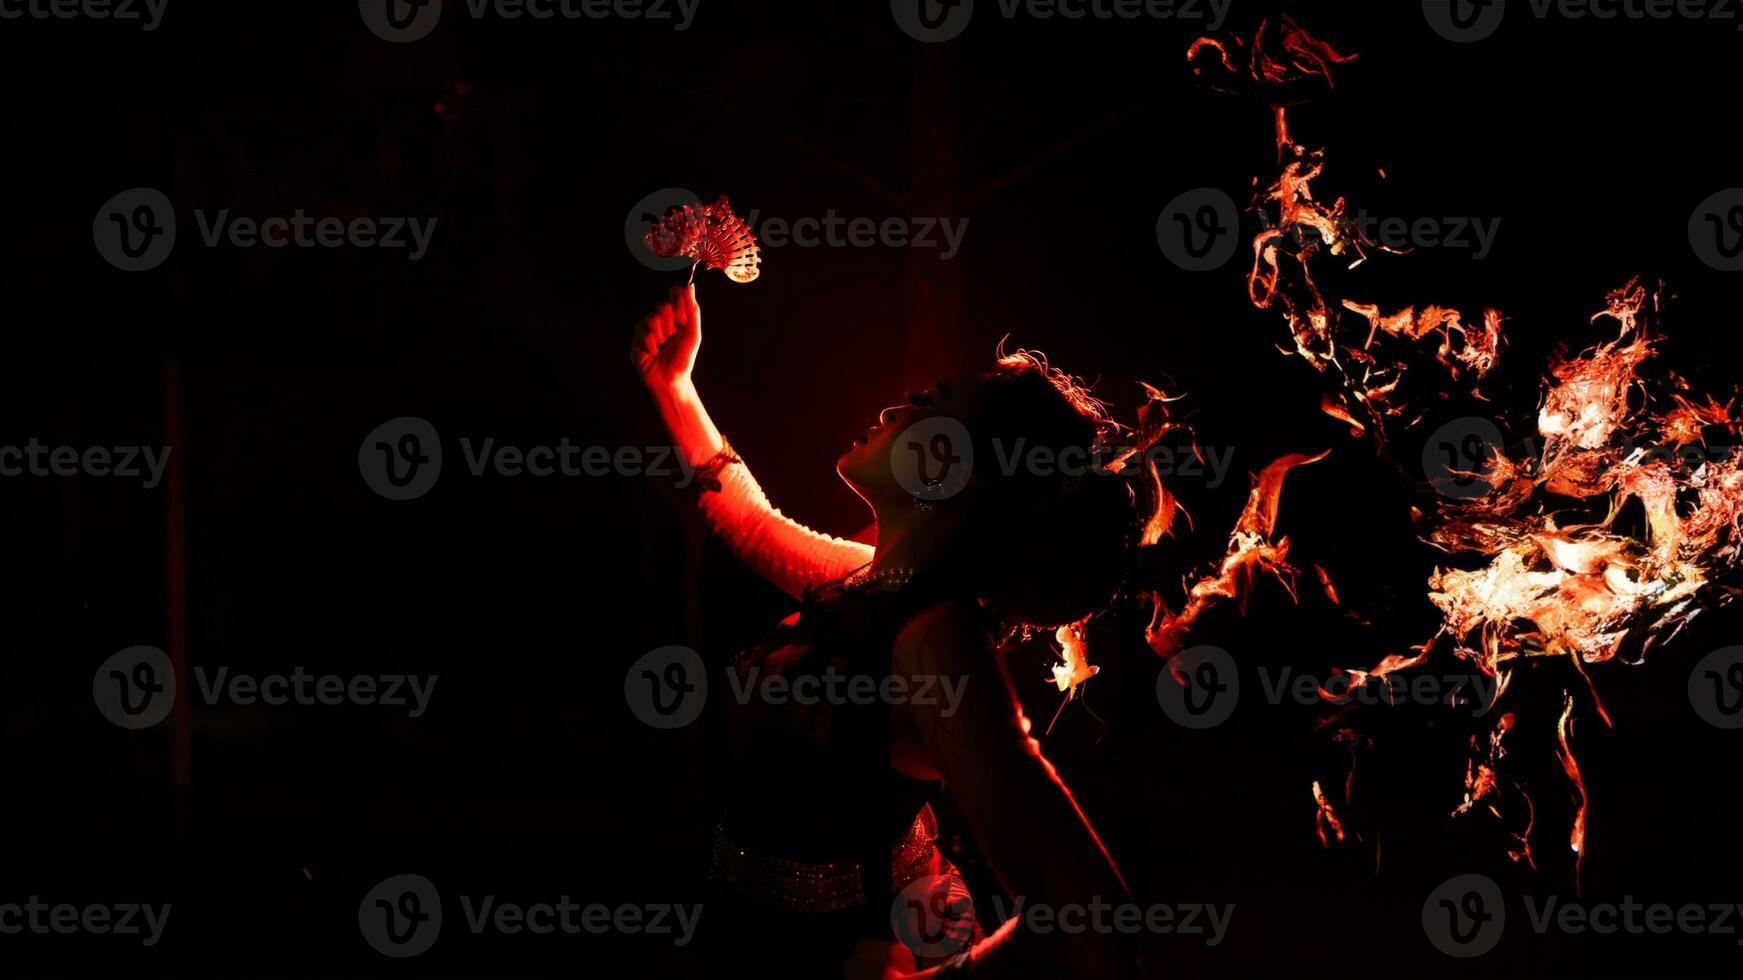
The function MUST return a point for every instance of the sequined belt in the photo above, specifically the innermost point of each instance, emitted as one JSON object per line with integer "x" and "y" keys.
{"x": 813, "y": 888}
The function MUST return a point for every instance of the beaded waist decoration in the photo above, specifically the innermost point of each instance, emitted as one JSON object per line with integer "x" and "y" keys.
{"x": 814, "y": 888}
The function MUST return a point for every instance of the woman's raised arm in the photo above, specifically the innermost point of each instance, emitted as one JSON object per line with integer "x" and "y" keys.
{"x": 787, "y": 553}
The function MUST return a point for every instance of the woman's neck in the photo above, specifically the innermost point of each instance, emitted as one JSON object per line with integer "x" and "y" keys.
{"x": 916, "y": 543}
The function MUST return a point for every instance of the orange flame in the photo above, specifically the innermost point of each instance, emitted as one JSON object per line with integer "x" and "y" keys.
{"x": 1571, "y": 575}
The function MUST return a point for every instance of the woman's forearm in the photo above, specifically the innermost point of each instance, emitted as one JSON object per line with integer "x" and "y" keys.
{"x": 693, "y": 432}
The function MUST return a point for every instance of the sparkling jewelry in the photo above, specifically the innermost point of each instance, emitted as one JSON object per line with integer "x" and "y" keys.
{"x": 888, "y": 579}
{"x": 811, "y": 887}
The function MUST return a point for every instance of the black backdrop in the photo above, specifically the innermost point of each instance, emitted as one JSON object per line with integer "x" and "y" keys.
{"x": 528, "y": 598}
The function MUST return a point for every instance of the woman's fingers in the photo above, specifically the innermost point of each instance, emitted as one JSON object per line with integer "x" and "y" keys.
{"x": 680, "y": 305}
{"x": 692, "y": 310}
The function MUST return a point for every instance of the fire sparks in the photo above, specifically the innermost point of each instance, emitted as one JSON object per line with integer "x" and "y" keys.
{"x": 1607, "y": 534}
{"x": 1253, "y": 547}
{"x": 1075, "y": 668}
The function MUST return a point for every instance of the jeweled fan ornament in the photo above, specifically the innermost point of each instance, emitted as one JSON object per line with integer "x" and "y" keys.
{"x": 711, "y": 236}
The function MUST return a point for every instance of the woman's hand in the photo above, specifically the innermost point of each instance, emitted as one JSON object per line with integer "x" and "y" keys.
{"x": 665, "y": 342}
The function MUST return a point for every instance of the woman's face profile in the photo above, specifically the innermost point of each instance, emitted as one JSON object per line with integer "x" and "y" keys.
{"x": 869, "y": 465}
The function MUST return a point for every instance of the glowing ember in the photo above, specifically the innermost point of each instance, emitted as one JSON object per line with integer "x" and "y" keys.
{"x": 1076, "y": 668}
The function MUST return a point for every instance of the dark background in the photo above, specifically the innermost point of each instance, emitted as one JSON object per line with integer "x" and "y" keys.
{"x": 529, "y": 777}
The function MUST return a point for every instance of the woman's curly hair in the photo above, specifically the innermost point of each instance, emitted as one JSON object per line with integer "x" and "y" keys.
{"x": 1058, "y": 546}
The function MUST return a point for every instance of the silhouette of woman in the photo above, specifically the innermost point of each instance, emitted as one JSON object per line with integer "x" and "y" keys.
{"x": 826, "y": 843}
